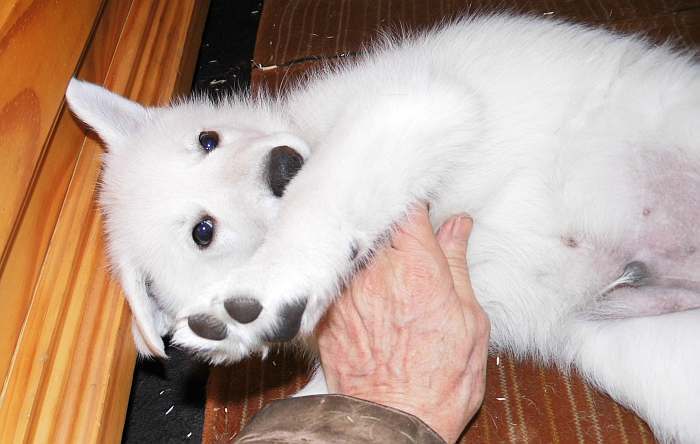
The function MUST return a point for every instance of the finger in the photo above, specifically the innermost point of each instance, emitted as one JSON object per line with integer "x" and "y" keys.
{"x": 453, "y": 238}
{"x": 416, "y": 232}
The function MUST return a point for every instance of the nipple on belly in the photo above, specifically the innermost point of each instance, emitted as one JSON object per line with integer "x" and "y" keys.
{"x": 637, "y": 274}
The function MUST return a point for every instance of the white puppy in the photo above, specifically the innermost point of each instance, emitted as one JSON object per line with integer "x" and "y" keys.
{"x": 577, "y": 152}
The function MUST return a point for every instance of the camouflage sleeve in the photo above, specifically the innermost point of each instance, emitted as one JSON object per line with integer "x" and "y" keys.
{"x": 335, "y": 419}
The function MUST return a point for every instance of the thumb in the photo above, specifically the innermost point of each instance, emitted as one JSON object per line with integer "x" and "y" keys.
{"x": 453, "y": 238}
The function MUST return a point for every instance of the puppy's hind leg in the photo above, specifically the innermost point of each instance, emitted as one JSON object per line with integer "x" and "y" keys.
{"x": 650, "y": 364}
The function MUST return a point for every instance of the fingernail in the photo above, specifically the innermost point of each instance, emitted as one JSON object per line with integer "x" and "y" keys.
{"x": 447, "y": 226}
{"x": 462, "y": 224}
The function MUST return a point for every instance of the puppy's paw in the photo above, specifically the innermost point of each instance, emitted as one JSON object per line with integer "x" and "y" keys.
{"x": 242, "y": 319}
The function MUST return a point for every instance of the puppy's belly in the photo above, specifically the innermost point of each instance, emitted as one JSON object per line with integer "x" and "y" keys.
{"x": 649, "y": 259}
{"x": 541, "y": 253}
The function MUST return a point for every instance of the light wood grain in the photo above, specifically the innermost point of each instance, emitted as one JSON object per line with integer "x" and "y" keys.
{"x": 40, "y": 45}
{"x": 24, "y": 255}
{"x": 66, "y": 352}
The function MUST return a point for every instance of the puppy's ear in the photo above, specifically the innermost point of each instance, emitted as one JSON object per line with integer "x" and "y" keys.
{"x": 148, "y": 323}
{"x": 111, "y": 116}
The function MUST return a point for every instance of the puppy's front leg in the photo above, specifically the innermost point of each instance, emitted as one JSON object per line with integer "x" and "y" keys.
{"x": 381, "y": 156}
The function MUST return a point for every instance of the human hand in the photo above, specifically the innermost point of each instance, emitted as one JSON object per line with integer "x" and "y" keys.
{"x": 408, "y": 332}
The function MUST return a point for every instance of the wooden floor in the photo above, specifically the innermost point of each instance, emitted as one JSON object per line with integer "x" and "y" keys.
{"x": 297, "y": 35}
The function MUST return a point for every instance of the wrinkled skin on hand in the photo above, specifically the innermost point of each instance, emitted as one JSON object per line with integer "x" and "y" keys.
{"x": 408, "y": 332}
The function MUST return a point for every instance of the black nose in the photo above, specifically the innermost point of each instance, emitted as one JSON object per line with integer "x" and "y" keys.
{"x": 283, "y": 164}
{"x": 289, "y": 322}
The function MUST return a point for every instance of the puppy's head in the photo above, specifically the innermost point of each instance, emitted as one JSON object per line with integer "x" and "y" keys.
{"x": 188, "y": 192}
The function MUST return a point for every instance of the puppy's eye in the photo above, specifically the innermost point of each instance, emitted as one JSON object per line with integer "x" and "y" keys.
{"x": 208, "y": 140}
{"x": 203, "y": 232}
{"x": 284, "y": 163}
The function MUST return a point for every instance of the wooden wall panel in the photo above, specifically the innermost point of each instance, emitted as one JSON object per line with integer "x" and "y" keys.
{"x": 66, "y": 353}
{"x": 35, "y": 225}
{"x": 40, "y": 45}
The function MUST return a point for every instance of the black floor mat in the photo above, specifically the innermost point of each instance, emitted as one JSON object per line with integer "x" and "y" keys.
{"x": 167, "y": 398}
{"x": 226, "y": 54}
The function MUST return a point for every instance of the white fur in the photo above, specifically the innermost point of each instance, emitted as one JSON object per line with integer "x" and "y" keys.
{"x": 576, "y": 151}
